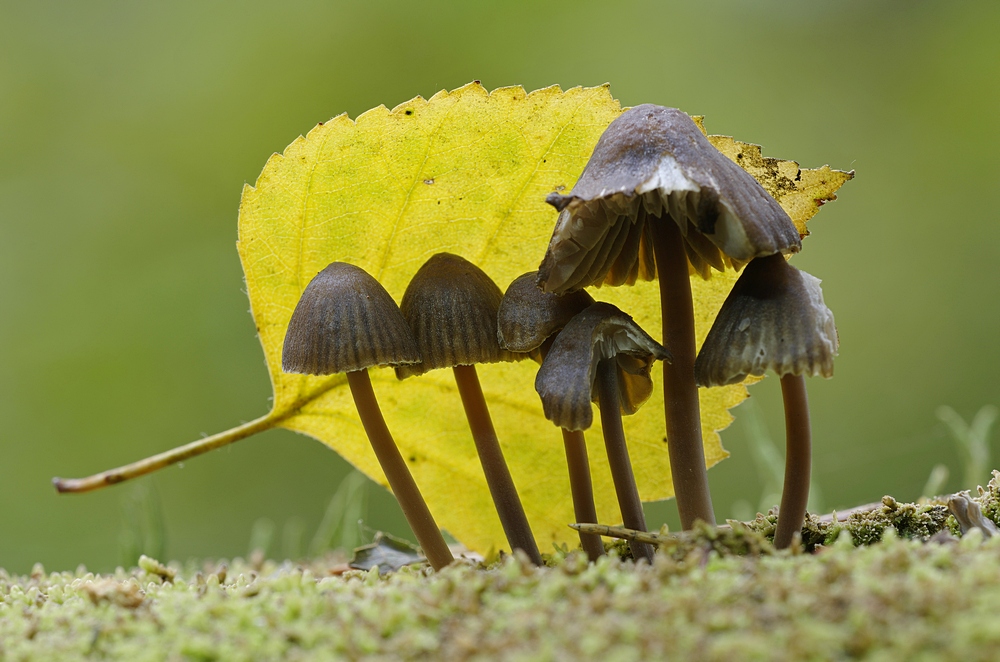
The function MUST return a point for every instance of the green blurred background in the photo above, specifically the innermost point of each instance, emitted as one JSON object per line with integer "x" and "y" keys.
{"x": 127, "y": 131}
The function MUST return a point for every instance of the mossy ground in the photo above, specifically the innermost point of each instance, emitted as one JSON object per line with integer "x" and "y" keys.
{"x": 909, "y": 592}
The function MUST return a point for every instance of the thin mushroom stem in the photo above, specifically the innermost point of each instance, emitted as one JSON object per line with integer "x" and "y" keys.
{"x": 798, "y": 460}
{"x": 680, "y": 392}
{"x": 498, "y": 478}
{"x": 418, "y": 516}
{"x": 618, "y": 459}
{"x": 582, "y": 489}
{"x": 165, "y": 459}
{"x": 581, "y": 486}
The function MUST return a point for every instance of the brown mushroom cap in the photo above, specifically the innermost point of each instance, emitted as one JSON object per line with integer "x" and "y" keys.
{"x": 565, "y": 381}
{"x": 346, "y": 321}
{"x": 775, "y": 318}
{"x": 451, "y": 306}
{"x": 650, "y": 162}
{"x": 528, "y": 316}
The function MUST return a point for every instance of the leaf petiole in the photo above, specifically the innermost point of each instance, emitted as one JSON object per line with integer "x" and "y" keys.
{"x": 165, "y": 459}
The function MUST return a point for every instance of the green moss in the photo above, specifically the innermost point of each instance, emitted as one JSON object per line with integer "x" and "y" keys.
{"x": 713, "y": 595}
{"x": 908, "y": 520}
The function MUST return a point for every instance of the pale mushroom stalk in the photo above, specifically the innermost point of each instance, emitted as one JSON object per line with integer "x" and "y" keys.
{"x": 680, "y": 392}
{"x": 498, "y": 478}
{"x": 527, "y": 323}
{"x": 798, "y": 460}
{"x": 618, "y": 458}
{"x": 451, "y": 306}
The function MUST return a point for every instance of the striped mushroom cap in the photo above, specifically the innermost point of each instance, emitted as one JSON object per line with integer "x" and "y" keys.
{"x": 451, "y": 306}
{"x": 346, "y": 321}
{"x": 565, "y": 381}
{"x": 774, "y": 318}
{"x": 528, "y": 316}
{"x": 652, "y": 162}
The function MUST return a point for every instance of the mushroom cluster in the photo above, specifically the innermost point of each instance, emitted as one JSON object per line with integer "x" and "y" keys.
{"x": 656, "y": 200}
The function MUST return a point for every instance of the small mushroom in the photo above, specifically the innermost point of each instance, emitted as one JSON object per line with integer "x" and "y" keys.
{"x": 527, "y": 323}
{"x": 345, "y": 321}
{"x": 656, "y": 198}
{"x": 451, "y": 306}
{"x": 774, "y": 318}
{"x": 603, "y": 356}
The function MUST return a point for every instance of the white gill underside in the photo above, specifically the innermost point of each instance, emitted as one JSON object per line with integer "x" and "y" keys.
{"x": 680, "y": 195}
{"x": 590, "y": 237}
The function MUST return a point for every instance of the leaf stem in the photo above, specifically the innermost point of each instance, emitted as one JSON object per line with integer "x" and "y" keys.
{"x": 172, "y": 456}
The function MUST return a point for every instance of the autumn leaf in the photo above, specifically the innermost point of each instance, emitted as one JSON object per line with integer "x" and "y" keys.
{"x": 466, "y": 172}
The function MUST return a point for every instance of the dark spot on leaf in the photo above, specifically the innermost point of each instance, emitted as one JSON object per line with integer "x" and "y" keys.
{"x": 413, "y": 458}
{"x": 739, "y": 155}
{"x": 321, "y": 124}
{"x": 409, "y": 111}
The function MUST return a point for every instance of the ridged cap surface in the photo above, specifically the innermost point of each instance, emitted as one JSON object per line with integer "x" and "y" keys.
{"x": 774, "y": 318}
{"x": 650, "y": 164}
{"x": 528, "y": 316}
{"x": 565, "y": 381}
{"x": 346, "y": 321}
{"x": 451, "y": 306}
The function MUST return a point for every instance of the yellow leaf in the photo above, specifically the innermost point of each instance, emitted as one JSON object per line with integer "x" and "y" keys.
{"x": 465, "y": 172}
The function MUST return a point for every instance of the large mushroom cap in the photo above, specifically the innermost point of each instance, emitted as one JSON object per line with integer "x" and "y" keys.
{"x": 346, "y": 321}
{"x": 775, "y": 318}
{"x": 528, "y": 316}
{"x": 451, "y": 306}
{"x": 652, "y": 162}
{"x": 565, "y": 381}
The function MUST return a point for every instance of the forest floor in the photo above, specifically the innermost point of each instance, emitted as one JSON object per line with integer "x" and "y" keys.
{"x": 894, "y": 581}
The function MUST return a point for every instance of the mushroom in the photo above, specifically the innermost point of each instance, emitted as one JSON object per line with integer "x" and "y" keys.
{"x": 657, "y": 199}
{"x": 527, "y": 322}
{"x": 775, "y": 318}
{"x": 603, "y": 356}
{"x": 451, "y": 306}
{"x": 345, "y": 321}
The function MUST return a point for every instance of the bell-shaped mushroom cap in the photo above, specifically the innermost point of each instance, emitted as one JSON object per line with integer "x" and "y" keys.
{"x": 565, "y": 381}
{"x": 451, "y": 306}
{"x": 346, "y": 321}
{"x": 652, "y": 161}
{"x": 775, "y": 318}
{"x": 528, "y": 316}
